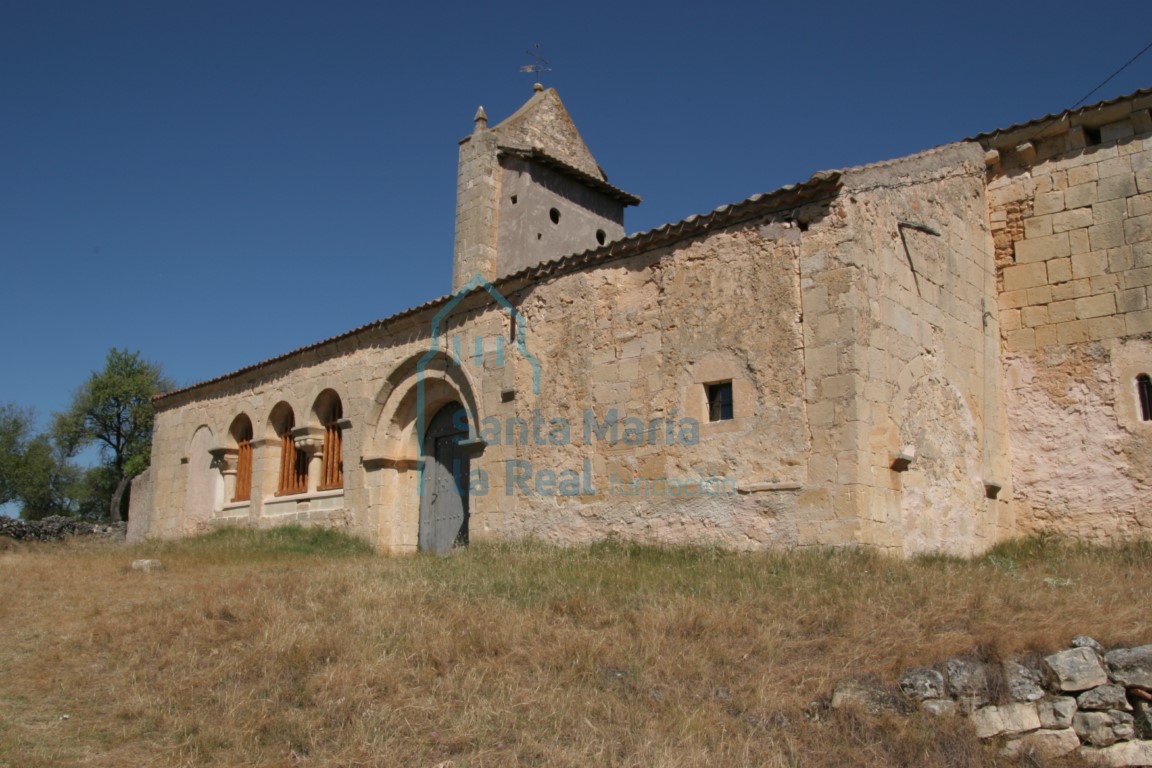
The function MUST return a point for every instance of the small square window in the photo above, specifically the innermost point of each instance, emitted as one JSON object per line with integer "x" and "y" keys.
{"x": 719, "y": 401}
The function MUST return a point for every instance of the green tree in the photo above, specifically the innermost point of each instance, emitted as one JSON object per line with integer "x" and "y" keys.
{"x": 113, "y": 409}
{"x": 35, "y": 470}
{"x": 15, "y": 432}
{"x": 48, "y": 483}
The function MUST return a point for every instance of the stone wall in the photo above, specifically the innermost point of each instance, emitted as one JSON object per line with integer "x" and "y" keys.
{"x": 902, "y": 359}
{"x": 635, "y": 340}
{"x": 1088, "y": 700}
{"x": 1070, "y": 205}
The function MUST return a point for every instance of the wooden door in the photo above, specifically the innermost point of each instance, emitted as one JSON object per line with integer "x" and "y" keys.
{"x": 444, "y": 502}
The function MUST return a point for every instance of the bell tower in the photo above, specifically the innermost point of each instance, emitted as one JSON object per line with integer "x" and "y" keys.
{"x": 529, "y": 191}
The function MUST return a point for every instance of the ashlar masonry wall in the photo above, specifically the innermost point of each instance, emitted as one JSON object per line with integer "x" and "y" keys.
{"x": 902, "y": 360}
{"x": 1070, "y": 204}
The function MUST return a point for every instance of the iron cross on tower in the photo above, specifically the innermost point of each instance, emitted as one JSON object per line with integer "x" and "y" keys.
{"x": 540, "y": 64}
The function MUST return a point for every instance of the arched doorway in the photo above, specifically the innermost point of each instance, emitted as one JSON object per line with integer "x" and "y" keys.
{"x": 444, "y": 497}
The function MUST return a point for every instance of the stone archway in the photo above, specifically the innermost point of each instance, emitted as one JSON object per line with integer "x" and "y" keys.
{"x": 203, "y": 488}
{"x": 393, "y": 451}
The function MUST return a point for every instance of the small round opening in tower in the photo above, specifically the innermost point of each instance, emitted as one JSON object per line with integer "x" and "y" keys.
{"x": 600, "y": 236}
{"x": 554, "y": 215}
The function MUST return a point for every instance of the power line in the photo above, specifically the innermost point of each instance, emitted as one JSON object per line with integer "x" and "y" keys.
{"x": 1109, "y": 78}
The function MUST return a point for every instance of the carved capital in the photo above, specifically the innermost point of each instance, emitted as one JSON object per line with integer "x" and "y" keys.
{"x": 224, "y": 459}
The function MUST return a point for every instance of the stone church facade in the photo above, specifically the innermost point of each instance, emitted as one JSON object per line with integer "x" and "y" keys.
{"x": 929, "y": 354}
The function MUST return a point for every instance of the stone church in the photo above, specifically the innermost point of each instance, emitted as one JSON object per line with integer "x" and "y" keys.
{"x": 927, "y": 354}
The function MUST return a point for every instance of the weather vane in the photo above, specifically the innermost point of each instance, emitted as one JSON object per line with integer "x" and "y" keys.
{"x": 539, "y": 65}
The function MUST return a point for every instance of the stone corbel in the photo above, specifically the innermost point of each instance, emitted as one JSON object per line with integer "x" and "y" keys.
{"x": 373, "y": 463}
{"x": 310, "y": 440}
{"x": 224, "y": 459}
{"x": 473, "y": 445}
{"x": 903, "y": 459}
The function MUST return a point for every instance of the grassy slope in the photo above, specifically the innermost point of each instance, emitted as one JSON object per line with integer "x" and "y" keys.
{"x": 296, "y": 647}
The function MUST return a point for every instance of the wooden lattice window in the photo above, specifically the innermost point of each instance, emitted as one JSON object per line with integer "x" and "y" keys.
{"x": 293, "y": 466}
{"x": 243, "y": 469}
{"x": 1144, "y": 390}
{"x": 332, "y": 464}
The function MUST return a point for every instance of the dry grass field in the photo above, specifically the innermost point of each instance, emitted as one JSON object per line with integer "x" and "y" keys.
{"x": 301, "y": 648}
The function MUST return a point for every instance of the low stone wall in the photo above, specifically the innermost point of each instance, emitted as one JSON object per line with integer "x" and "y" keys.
{"x": 1084, "y": 699}
{"x": 55, "y": 528}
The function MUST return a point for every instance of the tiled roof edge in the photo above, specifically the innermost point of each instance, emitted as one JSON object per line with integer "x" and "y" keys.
{"x": 1056, "y": 116}
{"x": 784, "y": 197}
{"x": 544, "y": 158}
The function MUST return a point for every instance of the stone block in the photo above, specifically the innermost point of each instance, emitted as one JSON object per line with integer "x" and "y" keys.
{"x": 1073, "y": 289}
{"x": 1007, "y": 718}
{"x": 922, "y": 683}
{"x": 1135, "y": 278}
{"x": 1025, "y": 276}
{"x": 1048, "y": 202}
{"x": 1121, "y": 129}
{"x": 1104, "y": 698}
{"x": 1122, "y": 755}
{"x": 1095, "y": 306}
{"x": 1110, "y": 210}
{"x": 1041, "y": 294}
{"x": 1041, "y": 226}
{"x": 1089, "y": 264}
{"x": 1047, "y": 336}
{"x": 1013, "y": 299}
{"x": 1024, "y": 682}
{"x": 1042, "y": 248}
{"x": 1081, "y": 175}
{"x": 987, "y": 722}
{"x": 1081, "y": 194}
{"x": 1010, "y": 319}
{"x": 1073, "y": 219}
{"x": 1111, "y": 327}
{"x": 1141, "y": 254}
{"x": 1105, "y": 283}
{"x": 1059, "y": 270}
{"x": 1078, "y": 241}
{"x": 1120, "y": 259}
{"x": 1131, "y": 666}
{"x": 968, "y": 679}
{"x": 1112, "y": 187}
{"x": 1034, "y": 316}
{"x": 1094, "y": 728}
{"x": 1077, "y": 669}
{"x": 1141, "y": 121}
{"x": 1140, "y": 205}
{"x": 1132, "y": 300}
{"x": 1138, "y": 322}
{"x": 1138, "y": 229}
{"x": 1114, "y": 166}
{"x": 939, "y": 707}
{"x": 1046, "y": 745}
{"x": 1110, "y": 234}
{"x": 1144, "y": 180}
{"x": 1056, "y": 712}
{"x": 1062, "y": 311}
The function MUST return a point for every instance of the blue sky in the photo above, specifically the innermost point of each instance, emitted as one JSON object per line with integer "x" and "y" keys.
{"x": 216, "y": 183}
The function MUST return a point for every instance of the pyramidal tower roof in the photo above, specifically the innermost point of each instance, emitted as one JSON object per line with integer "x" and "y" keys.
{"x": 543, "y": 123}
